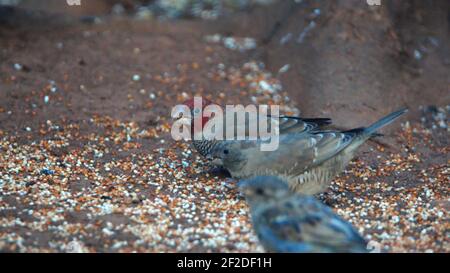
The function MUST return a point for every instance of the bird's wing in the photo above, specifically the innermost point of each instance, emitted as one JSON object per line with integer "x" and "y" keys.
{"x": 296, "y": 153}
{"x": 323, "y": 225}
{"x": 304, "y": 224}
{"x": 286, "y": 124}
{"x": 274, "y": 243}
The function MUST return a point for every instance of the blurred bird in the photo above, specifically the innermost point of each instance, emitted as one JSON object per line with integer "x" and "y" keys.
{"x": 288, "y": 222}
{"x": 307, "y": 161}
{"x": 286, "y": 124}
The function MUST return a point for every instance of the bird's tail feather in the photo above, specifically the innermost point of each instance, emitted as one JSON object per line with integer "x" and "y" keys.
{"x": 318, "y": 121}
{"x": 384, "y": 121}
{"x": 371, "y": 130}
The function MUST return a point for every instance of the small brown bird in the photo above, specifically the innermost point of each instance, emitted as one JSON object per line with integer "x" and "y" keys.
{"x": 289, "y": 222}
{"x": 286, "y": 124}
{"x": 307, "y": 161}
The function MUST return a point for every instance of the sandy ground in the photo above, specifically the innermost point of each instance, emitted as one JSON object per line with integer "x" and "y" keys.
{"x": 87, "y": 162}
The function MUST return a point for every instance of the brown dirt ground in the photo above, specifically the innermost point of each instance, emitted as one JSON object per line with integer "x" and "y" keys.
{"x": 350, "y": 68}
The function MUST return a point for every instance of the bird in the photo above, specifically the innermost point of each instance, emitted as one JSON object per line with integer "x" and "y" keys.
{"x": 307, "y": 161}
{"x": 289, "y": 222}
{"x": 286, "y": 125}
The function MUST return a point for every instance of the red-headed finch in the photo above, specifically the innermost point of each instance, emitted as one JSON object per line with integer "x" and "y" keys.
{"x": 204, "y": 145}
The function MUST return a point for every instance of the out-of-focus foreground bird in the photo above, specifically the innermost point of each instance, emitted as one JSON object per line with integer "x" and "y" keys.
{"x": 287, "y": 222}
{"x": 286, "y": 124}
{"x": 307, "y": 161}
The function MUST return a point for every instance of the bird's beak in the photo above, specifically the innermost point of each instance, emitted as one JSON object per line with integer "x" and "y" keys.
{"x": 180, "y": 118}
{"x": 184, "y": 121}
{"x": 217, "y": 162}
{"x": 179, "y": 113}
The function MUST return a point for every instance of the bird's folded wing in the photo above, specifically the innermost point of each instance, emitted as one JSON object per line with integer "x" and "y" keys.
{"x": 297, "y": 152}
{"x": 289, "y": 124}
{"x": 312, "y": 224}
{"x": 285, "y": 124}
{"x": 271, "y": 238}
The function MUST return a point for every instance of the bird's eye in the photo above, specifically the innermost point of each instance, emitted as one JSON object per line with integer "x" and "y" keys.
{"x": 226, "y": 152}
{"x": 259, "y": 191}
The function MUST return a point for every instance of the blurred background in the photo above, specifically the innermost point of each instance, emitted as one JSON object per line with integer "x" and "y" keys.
{"x": 87, "y": 162}
{"x": 345, "y": 55}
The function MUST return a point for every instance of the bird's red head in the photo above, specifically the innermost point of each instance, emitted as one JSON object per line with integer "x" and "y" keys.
{"x": 196, "y": 112}
{"x": 191, "y": 103}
